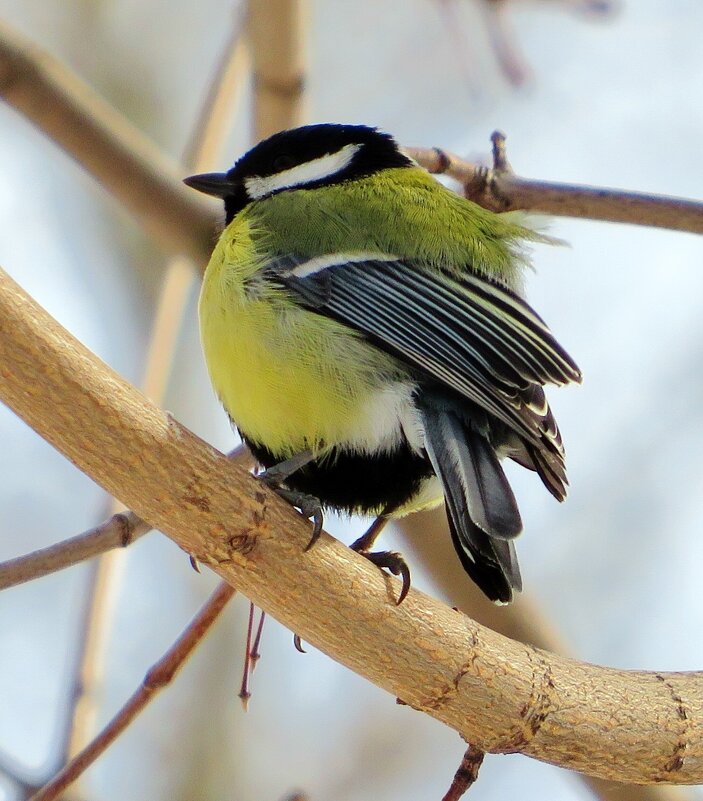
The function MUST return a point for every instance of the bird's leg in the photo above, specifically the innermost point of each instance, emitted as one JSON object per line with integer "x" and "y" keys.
{"x": 367, "y": 540}
{"x": 277, "y": 474}
{"x": 390, "y": 560}
{"x": 275, "y": 477}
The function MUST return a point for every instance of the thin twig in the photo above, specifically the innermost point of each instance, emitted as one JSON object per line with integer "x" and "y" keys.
{"x": 209, "y": 133}
{"x": 276, "y": 33}
{"x": 158, "y": 677}
{"x": 222, "y": 99}
{"x": 255, "y": 654}
{"x": 103, "y": 141}
{"x": 504, "y": 44}
{"x": 502, "y": 190}
{"x": 129, "y": 165}
{"x": 100, "y": 602}
{"x": 119, "y": 531}
{"x": 23, "y": 784}
{"x": 244, "y": 693}
{"x": 466, "y": 774}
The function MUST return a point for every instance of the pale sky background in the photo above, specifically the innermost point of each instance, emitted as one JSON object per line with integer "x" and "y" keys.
{"x": 617, "y": 567}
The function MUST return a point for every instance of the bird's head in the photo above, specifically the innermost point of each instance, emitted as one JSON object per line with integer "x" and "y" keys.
{"x": 301, "y": 158}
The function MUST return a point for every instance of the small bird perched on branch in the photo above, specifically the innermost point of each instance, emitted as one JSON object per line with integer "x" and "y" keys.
{"x": 364, "y": 328}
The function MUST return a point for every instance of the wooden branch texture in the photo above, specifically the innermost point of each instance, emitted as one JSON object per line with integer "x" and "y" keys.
{"x": 276, "y": 32}
{"x": 425, "y": 540}
{"x": 106, "y": 144}
{"x": 502, "y": 696}
{"x": 119, "y": 531}
{"x": 499, "y": 189}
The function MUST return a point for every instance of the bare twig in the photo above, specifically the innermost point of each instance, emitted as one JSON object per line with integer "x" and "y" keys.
{"x": 466, "y": 774}
{"x": 106, "y": 144}
{"x": 277, "y": 39}
{"x": 222, "y": 99}
{"x": 209, "y": 132}
{"x": 502, "y": 696}
{"x": 503, "y": 40}
{"x": 100, "y": 602}
{"x": 118, "y": 532}
{"x": 504, "y": 43}
{"x": 501, "y": 190}
{"x": 244, "y": 693}
{"x": 160, "y": 675}
{"x": 128, "y": 164}
{"x": 23, "y": 784}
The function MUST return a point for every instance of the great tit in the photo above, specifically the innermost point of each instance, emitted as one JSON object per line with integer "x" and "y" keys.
{"x": 364, "y": 328}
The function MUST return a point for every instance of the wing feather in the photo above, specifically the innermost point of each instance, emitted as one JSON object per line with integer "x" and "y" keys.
{"x": 471, "y": 335}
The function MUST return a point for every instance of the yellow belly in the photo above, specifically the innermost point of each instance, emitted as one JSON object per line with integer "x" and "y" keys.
{"x": 289, "y": 378}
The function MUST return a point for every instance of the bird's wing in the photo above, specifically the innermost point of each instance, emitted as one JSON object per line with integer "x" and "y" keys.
{"x": 471, "y": 335}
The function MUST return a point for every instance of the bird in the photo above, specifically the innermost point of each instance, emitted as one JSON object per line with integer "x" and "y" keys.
{"x": 366, "y": 331}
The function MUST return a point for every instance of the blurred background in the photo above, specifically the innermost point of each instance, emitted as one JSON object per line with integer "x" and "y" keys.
{"x": 598, "y": 93}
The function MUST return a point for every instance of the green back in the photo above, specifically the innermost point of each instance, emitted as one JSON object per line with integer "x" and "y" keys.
{"x": 402, "y": 211}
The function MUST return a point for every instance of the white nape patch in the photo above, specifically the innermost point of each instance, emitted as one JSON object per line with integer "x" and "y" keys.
{"x": 306, "y": 173}
{"x": 319, "y": 263}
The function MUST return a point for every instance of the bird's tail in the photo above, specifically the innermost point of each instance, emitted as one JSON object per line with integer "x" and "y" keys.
{"x": 481, "y": 508}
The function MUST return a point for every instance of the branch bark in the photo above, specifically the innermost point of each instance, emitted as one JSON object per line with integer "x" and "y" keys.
{"x": 501, "y": 696}
{"x": 131, "y": 167}
{"x": 119, "y": 531}
{"x": 426, "y": 539}
{"x": 499, "y": 189}
{"x": 106, "y": 144}
{"x": 276, "y": 32}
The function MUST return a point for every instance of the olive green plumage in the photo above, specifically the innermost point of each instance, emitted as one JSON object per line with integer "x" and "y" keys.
{"x": 356, "y": 309}
{"x": 404, "y": 211}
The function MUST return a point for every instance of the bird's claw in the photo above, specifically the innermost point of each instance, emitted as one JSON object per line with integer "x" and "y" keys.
{"x": 309, "y": 505}
{"x": 395, "y": 564}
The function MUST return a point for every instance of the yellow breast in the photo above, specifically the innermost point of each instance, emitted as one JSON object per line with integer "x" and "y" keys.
{"x": 289, "y": 378}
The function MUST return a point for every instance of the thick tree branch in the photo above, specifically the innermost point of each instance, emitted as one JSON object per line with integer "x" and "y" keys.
{"x": 501, "y": 696}
{"x": 209, "y": 132}
{"x": 118, "y": 531}
{"x": 426, "y": 539}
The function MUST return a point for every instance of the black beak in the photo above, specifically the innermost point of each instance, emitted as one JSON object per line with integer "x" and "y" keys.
{"x": 212, "y": 183}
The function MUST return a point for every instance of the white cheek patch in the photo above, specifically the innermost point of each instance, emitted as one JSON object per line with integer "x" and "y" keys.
{"x": 306, "y": 173}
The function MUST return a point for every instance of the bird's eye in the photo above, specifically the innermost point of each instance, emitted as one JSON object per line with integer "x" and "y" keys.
{"x": 283, "y": 162}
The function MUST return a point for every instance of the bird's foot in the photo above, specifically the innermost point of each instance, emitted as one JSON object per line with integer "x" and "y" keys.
{"x": 395, "y": 564}
{"x": 309, "y": 506}
{"x": 275, "y": 477}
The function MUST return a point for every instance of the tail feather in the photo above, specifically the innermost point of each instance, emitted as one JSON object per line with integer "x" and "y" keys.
{"x": 482, "y": 510}
{"x": 492, "y": 505}
{"x": 491, "y": 563}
